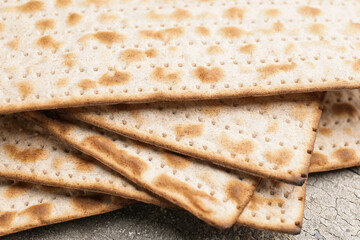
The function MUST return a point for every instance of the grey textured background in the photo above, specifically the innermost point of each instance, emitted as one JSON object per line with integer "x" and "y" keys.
{"x": 332, "y": 212}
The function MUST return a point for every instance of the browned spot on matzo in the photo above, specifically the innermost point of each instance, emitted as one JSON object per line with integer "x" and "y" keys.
{"x": 40, "y": 212}
{"x": 327, "y": 132}
{"x": 2, "y": 27}
{"x": 272, "y": 69}
{"x": 356, "y": 65}
{"x": 345, "y": 154}
{"x": 96, "y": 3}
{"x": 244, "y": 146}
{"x": 69, "y": 60}
{"x": 248, "y": 48}
{"x": 271, "y": 13}
{"x": 132, "y": 55}
{"x": 234, "y": 13}
{"x": 272, "y": 127}
{"x": 31, "y": 7}
{"x": 178, "y": 14}
{"x": 236, "y": 190}
{"x": 46, "y": 24}
{"x": 166, "y": 75}
{"x": 14, "y": 44}
{"x": 28, "y": 155}
{"x": 176, "y": 161}
{"x": 6, "y": 218}
{"x": 151, "y": 53}
{"x": 232, "y": 32}
{"x": 106, "y": 17}
{"x": 16, "y": 190}
{"x": 25, "y": 88}
{"x": 73, "y": 19}
{"x": 344, "y": 110}
{"x": 81, "y": 164}
{"x": 214, "y": 50}
{"x": 48, "y": 42}
{"x": 318, "y": 159}
{"x": 257, "y": 201}
{"x": 196, "y": 198}
{"x": 189, "y": 130}
{"x": 164, "y": 35}
{"x": 109, "y": 149}
{"x": 63, "y": 3}
{"x": 317, "y": 28}
{"x": 116, "y": 78}
{"x": 86, "y": 84}
{"x": 209, "y": 75}
{"x": 308, "y": 11}
{"x": 280, "y": 157}
{"x": 202, "y": 31}
{"x": 109, "y": 37}
{"x": 84, "y": 203}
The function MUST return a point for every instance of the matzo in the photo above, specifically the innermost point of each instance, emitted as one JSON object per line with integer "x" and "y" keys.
{"x": 24, "y": 205}
{"x": 209, "y": 192}
{"x": 270, "y": 136}
{"x": 338, "y": 142}
{"x": 72, "y": 53}
{"x": 28, "y": 153}
{"x": 275, "y": 206}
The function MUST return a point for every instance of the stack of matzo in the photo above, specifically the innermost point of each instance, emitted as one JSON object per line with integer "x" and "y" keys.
{"x": 228, "y": 94}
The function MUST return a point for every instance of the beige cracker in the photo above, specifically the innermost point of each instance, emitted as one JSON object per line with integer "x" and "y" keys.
{"x": 24, "y": 206}
{"x": 74, "y": 53}
{"x": 338, "y": 143}
{"x": 209, "y": 192}
{"x": 28, "y": 153}
{"x": 270, "y": 136}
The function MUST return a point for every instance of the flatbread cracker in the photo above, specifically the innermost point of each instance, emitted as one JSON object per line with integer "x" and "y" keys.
{"x": 28, "y": 153}
{"x": 24, "y": 206}
{"x": 75, "y": 53}
{"x": 338, "y": 144}
{"x": 271, "y": 137}
{"x": 275, "y": 206}
{"x": 212, "y": 194}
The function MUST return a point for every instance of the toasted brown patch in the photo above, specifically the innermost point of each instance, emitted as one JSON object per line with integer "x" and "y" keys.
{"x": 14, "y": 44}
{"x": 176, "y": 161}
{"x": 108, "y": 149}
{"x": 57, "y": 163}
{"x": 290, "y": 47}
{"x": 31, "y": 7}
{"x": 63, "y": 3}
{"x": 106, "y": 17}
{"x": 16, "y": 190}
{"x": 116, "y": 78}
{"x": 165, "y": 75}
{"x": 6, "y": 218}
{"x": 109, "y": 37}
{"x": 272, "y": 128}
{"x": 318, "y": 159}
{"x": 258, "y": 201}
{"x": 46, "y": 24}
{"x": 132, "y": 55}
{"x": 87, "y": 203}
{"x": 244, "y": 146}
{"x": 272, "y": 69}
{"x": 165, "y": 35}
{"x": 2, "y": 27}
{"x": 280, "y": 157}
{"x": 344, "y": 110}
{"x": 212, "y": 110}
{"x": 209, "y": 75}
{"x": 309, "y": 11}
{"x": 248, "y": 49}
{"x": 356, "y": 65}
{"x": 74, "y": 19}
{"x": 178, "y": 14}
{"x": 232, "y": 32}
{"x": 69, "y": 60}
{"x": 81, "y": 164}
{"x": 345, "y": 155}
{"x": 28, "y": 155}
{"x": 189, "y": 130}
{"x": 48, "y": 42}
{"x": 317, "y": 28}
{"x": 234, "y": 13}
{"x": 196, "y": 198}
{"x": 236, "y": 190}
{"x": 40, "y": 212}
{"x": 353, "y": 28}
{"x": 202, "y": 31}
{"x": 25, "y": 88}
{"x": 96, "y": 3}
{"x": 86, "y": 84}
{"x": 62, "y": 82}
{"x": 214, "y": 50}
{"x": 271, "y": 13}
{"x": 299, "y": 112}
{"x": 327, "y": 132}
{"x": 151, "y": 53}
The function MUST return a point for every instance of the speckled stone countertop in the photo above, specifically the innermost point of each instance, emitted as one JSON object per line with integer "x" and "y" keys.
{"x": 332, "y": 212}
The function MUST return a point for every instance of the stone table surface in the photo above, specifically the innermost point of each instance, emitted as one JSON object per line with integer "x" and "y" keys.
{"x": 332, "y": 212}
